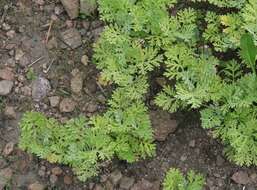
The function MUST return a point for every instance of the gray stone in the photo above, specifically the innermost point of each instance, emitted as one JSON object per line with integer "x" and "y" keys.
{"x": 5, "y": 87}
{"x": 77, "y": 83}
{"x": 241, "y": 177}
{"x": 84, "y": 60}
{"x": 88, "y": 7}
{"x": 40, "y": 88}
{"x": 54, "y": 101}
{"x": 72, "y": 7}
{"x": 8, "y": 149}
{"x": 72, "y": 38}
{"x": 6, "y": 74}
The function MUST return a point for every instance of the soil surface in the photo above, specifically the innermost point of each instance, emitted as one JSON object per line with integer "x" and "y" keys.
{"x": 46, "y": 65}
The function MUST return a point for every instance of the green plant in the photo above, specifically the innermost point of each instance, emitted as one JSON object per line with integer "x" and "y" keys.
{"x": 225, "y": 3}
{"x": 30, "y": 75}
{"x": 196, "y": 79}
{"x": 225, "y": 31}
{"x": 234, "y": 116}
{"x": 85, "y": 144}
{"x": 123, "y": 131}
{"x": 142, "y": 37}
{"x": 174, "y": 180}
{"x": 224, "y": 91}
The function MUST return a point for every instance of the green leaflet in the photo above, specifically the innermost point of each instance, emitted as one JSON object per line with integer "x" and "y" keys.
{"x": 248, "y": 51}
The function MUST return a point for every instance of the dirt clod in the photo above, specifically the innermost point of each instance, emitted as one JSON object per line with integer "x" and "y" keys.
{"x": 241, "y": 177}
{"x": 162, "y": 125}
{"x": 126, "y": 182}
{"x": 115, "y": 177}
{"x": 67, "y": 105}
{"x": 53, "y": 179}
{"x": 143, "y": 185}
{"x": 67, "y": 180}
{"x": 57, "y": 171}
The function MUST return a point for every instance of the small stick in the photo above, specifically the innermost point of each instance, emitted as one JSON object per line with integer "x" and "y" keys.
{"x": 37, "y": 60}
{"x": 49, "y": 31}
{"x": 48, "y": 68}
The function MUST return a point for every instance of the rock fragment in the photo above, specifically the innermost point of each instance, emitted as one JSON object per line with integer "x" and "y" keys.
{"x": 40, "y": 88}
{"x": 241, "y": 177}
{"x": 72, "y": 38}
{"x": 77, "y": 83}
{"x": 67, "y": 105}
{"x": 84, "y": 60}
{"x": 5, "y": 87}
{"x": 88, "y": 7}
{"x": 9, "y": 112}
{"x": 72, "y": 7}
{"x": 8, "y": 149}
{"x": 6, "y": 74}
{"x": 54, "y": 101}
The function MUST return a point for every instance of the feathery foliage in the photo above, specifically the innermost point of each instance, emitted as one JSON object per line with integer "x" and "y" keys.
{"x": 174, "y": 180}
{"x": 224, "y": 3}
{"x": 123, "y": 131}
{"x": 141, "y": 37}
